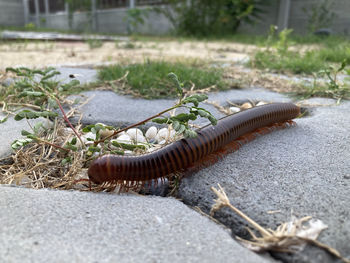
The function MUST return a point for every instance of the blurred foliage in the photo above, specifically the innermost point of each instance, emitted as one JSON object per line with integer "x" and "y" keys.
{"x": 206, "y": 17}
{"x": 320, "y": 15}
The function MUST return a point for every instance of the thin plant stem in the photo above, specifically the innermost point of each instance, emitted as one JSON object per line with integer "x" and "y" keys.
{"x": 137, "y": 124}
{"x": 69, "y": 123}
{"x": 53, "y": 145}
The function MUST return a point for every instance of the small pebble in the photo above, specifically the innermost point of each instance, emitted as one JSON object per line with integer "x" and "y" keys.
{"x": 134, "y": 133}
{"x": 347, "y": 176}
{"x": 106, "y": 133}
{"x": 246, "y": 105}
{"x": 121, "y": 133}
{"x": 140, "y": 139}
{"x": 162, "y": 134}
{"x": 125, "y": 138}
{"x": 152, "y": 141}
{"x": 151, "y": 133}
{"x": 234, "y": 109}
{"x": 89, "y": 135}
{"x": 162, "y": 142}
{"x": 261, "y": 103}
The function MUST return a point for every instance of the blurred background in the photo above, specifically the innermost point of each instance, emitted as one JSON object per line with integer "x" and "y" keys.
{"x": 184, "y": 17}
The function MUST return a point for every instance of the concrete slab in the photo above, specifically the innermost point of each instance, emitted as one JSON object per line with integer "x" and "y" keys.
{"x": 113, "y": 109}
{"x": 11, "y": 130}
{"x": 72, "y": 226}
{"x": 303, "y": 170}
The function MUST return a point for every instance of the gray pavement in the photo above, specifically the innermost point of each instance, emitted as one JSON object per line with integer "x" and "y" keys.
{"x": 72, "y": 226}
{"x": 113, "y": 109}
{"x": 303, "y": 170}
{"x": 10, "y": 131}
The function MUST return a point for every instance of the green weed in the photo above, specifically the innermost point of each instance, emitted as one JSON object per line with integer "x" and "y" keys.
{"x": 332, "y": 87}
{"x": 149, "y": 79}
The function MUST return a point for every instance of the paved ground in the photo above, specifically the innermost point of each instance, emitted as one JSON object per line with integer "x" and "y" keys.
{"x": 304, "y": 170}
{"x": 71, "y": 226}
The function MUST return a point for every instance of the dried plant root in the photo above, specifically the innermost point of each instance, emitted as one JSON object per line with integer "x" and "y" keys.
{"x": 288, "y": 237}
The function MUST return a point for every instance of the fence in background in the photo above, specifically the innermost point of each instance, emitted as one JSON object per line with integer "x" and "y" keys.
{"x": 112, "y": 15}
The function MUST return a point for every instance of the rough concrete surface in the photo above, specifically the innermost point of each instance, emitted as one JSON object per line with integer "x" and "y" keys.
{"x": 303, "y": 170}
{"x": 84, "y": 75}
{"x": 113, "y": 109}
{"x": 72, "y": 226}
{"x": 10, "y": 131}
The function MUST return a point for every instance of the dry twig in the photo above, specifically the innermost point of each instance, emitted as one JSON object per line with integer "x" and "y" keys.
{"x": 288, "y": 237}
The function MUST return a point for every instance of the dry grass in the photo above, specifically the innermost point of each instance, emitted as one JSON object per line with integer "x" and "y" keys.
{"x": 39, "y": 165}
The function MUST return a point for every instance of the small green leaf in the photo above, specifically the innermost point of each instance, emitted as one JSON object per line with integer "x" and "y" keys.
{"x": 21, "y": 142}
{"x": 25, "y": 133}
{"x": 71, "y": 147}
{"x": 160, "y": 120}
{"x": 27, "y": 114}
{"x": 199, "y": 97}
{"x": 31, "y": 94}
{"x": 9, "y": 69}
{"x": 49, "y": 76}
{"x": 181, "y": 129}
{"x": 212, "y": 119}
{"x": 52, "y": 103}
{"x": 177, "y": 83}
{"x": 66, "y": 160}
{"x": 127, "y": 146}
{"x": 37, "y": 127}
{"x": 203, "y": 113}
{"x": 190, "y": 133}
{"x": 73, "y": 141}
{"x": 71, "y": 84}
{"x": 191, "y": 100}
{"x": 88, "y": 128}
{"x": 4, "y": 119}
{"x": 94, "y": 149}
{"x": 117, "y": 152}
{"x": 176, "y": 125}
{"x": 184, "y": 117}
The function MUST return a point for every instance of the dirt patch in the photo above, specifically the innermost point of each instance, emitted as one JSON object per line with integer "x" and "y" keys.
{"x": 41, "y": 54}
{"x": 232, "y": 55}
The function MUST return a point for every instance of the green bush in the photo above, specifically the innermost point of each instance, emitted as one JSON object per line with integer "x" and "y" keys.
{"x": 207, "y": 17}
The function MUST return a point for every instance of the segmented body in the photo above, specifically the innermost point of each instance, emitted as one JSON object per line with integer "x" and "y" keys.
{"x": 131, "y": 170}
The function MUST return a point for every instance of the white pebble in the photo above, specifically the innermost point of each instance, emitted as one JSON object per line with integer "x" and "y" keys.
{"x": 106, "y": 133}
{"x": 172, "y": 134}
{"x": 261, "y": 103}
{"x": 140, "y": 139}
{"x": 121, "y": 133}
{"x": 151, "y": 133}
{"x": 134, "y": 133}
{"x": 162, "y": 134}
{"x": 162, "y": 142}
{"x": 125, "y": 138}
{"x": 234, "y": 109}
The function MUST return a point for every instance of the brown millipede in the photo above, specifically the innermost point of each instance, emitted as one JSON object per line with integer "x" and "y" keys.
{"x": 132, "y": 171}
